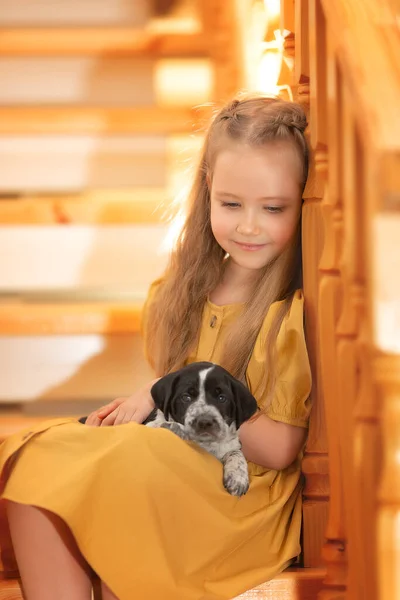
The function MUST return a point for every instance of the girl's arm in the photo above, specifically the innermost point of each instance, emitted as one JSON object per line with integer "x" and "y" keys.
{"x": 271, "y": 444}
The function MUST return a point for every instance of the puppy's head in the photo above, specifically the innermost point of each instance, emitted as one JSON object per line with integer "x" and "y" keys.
{"x": 204, "y": 398}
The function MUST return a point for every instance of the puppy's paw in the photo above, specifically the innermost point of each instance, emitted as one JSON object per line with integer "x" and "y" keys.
{"x": 175, "y": 428}
{"x": 236, "y": 473}
{"x": 236, "y": 484}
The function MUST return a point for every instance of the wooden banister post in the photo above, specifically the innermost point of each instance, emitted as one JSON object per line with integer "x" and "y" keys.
{"x": 315, "y": 462}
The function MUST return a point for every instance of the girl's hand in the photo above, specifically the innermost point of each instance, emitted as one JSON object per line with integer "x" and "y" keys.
{"x": 123, "y": 410}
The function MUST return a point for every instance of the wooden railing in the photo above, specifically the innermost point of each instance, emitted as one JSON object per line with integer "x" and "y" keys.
{"x": 347, "y": 75}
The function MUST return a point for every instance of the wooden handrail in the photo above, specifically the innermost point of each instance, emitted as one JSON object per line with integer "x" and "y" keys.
{"x": 366, "y": 41}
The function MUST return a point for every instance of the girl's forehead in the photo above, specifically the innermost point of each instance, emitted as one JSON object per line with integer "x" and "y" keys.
{"x": 275, "y": 164}
{"x": 274, "y": 151}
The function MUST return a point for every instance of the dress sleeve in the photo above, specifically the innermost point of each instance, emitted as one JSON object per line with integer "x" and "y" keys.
{"x": 290, "y": 401}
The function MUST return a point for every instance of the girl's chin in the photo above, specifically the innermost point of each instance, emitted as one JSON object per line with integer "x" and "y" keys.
{"x": 251, "y": 266}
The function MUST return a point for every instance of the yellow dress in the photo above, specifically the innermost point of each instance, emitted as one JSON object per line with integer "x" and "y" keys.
{"x": 149, "y": 511}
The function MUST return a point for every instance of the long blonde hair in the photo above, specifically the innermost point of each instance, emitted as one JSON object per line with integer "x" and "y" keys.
{"x": 197, "y": 262}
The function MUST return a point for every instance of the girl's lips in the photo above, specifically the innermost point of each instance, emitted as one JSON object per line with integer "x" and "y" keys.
{"x": 250, "y": 247}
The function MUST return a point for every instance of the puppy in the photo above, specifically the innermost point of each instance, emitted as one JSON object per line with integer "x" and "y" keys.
{"x": 203, "y": 403}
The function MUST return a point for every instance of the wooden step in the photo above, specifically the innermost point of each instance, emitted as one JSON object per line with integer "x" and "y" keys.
{"x": 293, "y": 584}
{"x": 85, "y": 120}
{"x": 46, "y": 318}
{"x": 101, "y": 41}
{"x": 101, "y": 207}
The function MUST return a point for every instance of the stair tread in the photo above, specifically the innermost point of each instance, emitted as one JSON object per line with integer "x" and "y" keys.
{"x": 50, "y": 119}
{"x": 104, "y": 41}
{"x": 128, "y": 206}
{"x": 73, "y": 318}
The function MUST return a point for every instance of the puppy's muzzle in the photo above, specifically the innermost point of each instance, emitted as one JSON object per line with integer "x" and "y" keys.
{"x": 204, "y": 425}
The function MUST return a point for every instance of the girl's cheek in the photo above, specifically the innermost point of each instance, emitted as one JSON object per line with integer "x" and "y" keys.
{"x": 285, "y": 232}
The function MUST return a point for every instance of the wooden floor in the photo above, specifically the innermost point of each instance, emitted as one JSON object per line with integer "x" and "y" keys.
{"x": 293, "y": 584}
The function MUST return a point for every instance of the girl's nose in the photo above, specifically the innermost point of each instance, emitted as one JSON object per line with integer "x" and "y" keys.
{"x": 248, "y": 225}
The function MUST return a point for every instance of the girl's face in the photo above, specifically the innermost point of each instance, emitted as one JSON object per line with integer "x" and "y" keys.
{"x": 255, "y": 202}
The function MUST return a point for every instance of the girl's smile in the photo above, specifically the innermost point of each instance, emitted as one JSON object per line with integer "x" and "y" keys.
{"x": 249, "y": 247}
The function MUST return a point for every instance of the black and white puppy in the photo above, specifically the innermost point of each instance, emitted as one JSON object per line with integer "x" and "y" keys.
{"x": 203, "y": 403}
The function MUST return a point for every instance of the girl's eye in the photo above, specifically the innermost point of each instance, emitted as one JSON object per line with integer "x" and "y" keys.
{"x": 230, "y": 204}
{"x": 186, "y": 397}
{"x": 274, "y": 209}
{"x": 221, "y": 398}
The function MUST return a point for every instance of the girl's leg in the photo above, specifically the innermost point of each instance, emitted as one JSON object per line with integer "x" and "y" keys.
{"x": 50, "y": 563}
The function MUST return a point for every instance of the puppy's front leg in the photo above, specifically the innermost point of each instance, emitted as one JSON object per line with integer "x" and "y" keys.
{"x": 236, "y": 473}
{"x": 176, "y": 428}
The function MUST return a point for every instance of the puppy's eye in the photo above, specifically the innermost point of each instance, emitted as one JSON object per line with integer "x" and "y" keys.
{"x": 186, "y": 397}
{"x": 222, "y": 398}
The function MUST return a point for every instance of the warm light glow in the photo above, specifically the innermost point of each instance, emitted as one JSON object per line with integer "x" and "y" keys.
{"x": 272, "y": 7}
{"x": 183, "y": 82}
{"x": 176, "y": 224}
{"x": 268, "y": 72}
{"x": 386, "y": 283}
{"x": 270, "y": 65}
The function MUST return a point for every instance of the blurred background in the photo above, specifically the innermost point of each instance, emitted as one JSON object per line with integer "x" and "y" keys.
{"x": 103, "y": 105}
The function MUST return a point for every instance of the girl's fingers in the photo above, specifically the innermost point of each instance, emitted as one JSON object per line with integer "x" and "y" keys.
{"x": 122, "y": 417}
{"x": 104, "y": 411}
{"x": 93, "y": 420}
{"x": 109, "y": 419}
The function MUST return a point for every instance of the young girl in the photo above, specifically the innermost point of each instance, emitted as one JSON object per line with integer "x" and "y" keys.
{"x": 142, "y": 508}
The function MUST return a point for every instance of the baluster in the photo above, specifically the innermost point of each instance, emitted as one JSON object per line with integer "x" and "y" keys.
{"x": 330, "y": 301}
{"x": 387, "y": 376}
{"x": 315, "y": 463}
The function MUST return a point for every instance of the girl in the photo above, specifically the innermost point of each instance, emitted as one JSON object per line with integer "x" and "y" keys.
{"x": 146, "y": 510}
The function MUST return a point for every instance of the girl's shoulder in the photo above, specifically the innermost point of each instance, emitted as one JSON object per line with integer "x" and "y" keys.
{"x": 291, "y": 330}
{"x": 294, "y": 317}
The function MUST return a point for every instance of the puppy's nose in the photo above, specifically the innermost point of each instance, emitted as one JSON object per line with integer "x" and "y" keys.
{"x": 205, "y": 423}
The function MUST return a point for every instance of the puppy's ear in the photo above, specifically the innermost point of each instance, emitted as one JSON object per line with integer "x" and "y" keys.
{"x": 163, "y": 392}
{"x": 246, "y": 404}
